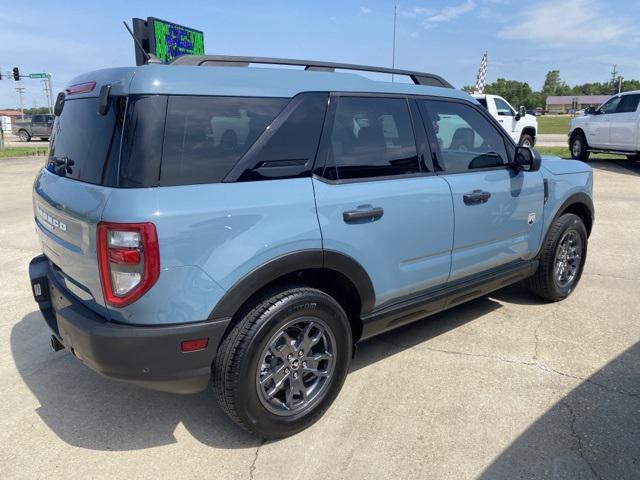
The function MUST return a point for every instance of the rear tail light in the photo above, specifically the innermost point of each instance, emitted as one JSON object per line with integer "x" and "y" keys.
{"x": 129, "y": 261}
{"x": 80, "y": 88}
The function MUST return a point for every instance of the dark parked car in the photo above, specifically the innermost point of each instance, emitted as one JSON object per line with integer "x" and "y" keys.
{"x": 36, "y": 126}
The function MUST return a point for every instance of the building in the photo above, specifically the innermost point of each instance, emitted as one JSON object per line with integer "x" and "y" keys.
{"x": 6, "y": 116}
{"x": 572, "y": 103}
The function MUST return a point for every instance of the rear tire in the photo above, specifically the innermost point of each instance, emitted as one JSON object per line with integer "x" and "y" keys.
{"x": 578, "y": 146}
{"x": 561, "y": 260}
{"x": 283, "y": 364}
{"x": 24, "y": 136}
{"x": 526, "y": 140}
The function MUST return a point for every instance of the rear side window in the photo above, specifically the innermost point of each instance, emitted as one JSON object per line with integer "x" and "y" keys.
{"x": 466, "y": 139}
{"x": 371, "y": 137}
{"x": 84, "y": 145}
{"x": 142, "y": 141}
{"x": 628, "y": 103}
{"x": 289, "y": 148}
{"x": 205, "y": 136}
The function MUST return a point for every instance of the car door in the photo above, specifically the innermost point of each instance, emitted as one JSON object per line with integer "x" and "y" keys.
{"x": 506, "y": 115}
{"x": 623, "y": 123}
{"x": 598, "y": 126}
{"x": 378, "y": 201}
{"x": 497, "y": 208}
{"x": 38, "y": 125}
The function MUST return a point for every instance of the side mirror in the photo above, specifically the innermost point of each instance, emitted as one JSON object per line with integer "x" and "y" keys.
{"x": 528, "y": 159}
{"x": 590, "y": 111}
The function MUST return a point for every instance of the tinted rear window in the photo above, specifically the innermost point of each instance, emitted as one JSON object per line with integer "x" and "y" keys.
{"x": 205, "y": 136}
{"x": 85, "y": 146}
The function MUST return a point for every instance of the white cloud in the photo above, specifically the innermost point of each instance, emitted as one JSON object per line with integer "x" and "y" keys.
{"x": 449, "y": 13}
{"x": 414, "y": 35}
{"x": 365, "y": 10}
{"x": 567, "y": 22}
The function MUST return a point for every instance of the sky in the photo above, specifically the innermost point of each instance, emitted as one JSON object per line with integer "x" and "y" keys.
{"x": 524, "y": 40}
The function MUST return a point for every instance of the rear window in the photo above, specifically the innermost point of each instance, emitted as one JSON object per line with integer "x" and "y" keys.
{"x": 85, "y": 146}
{"x": 205, "y": 136}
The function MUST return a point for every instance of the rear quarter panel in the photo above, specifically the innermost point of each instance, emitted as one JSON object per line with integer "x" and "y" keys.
{"x": 210, "y": 236}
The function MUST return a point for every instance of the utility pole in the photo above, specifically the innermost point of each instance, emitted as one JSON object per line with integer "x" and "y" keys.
{"x": 46, "y": 83}
{"x": 393, "y": 55}
{"x": 616, "y": 78}
{"x": 50, "y": 93}
{"x": 20, "y": 91}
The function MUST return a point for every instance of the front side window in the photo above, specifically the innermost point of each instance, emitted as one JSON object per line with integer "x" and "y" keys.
{"x": 372, "y": 137}
{"x": 610, "y": 106}
{"x": 503, "y": 108}
{"x": 205, "y": 136}
{"x": 628, "y": 103}
{"x": 467, "y": 140}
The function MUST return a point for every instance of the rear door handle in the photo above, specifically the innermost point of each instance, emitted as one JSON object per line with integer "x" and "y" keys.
{"x": 476, "y": 197}
{"x": 370, "y": 214}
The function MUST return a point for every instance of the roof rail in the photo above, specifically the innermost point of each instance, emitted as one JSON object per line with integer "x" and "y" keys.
{"x": 419, "y": 78}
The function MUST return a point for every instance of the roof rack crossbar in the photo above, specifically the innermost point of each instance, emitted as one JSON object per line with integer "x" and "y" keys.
{"x": 419, "y": 78}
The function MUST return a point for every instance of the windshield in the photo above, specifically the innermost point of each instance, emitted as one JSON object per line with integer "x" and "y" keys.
{"x": 84, "y": 145}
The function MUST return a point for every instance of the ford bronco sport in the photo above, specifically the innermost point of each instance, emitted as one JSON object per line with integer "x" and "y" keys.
{"x": 249, "y": 225}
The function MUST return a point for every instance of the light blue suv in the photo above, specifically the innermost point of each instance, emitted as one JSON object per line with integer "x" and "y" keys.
{"x": 249, "y": 225}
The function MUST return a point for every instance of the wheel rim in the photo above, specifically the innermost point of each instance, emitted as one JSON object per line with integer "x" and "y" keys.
{"x": 24, "y": 137}
{"x": 576, "y": 147}
{"x": 296, "y": 366}
{"x": 568, "y": 258}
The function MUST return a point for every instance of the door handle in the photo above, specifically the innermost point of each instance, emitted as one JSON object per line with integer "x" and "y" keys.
{"x": 476, "y": 197}
{"x": 369, "y": 214}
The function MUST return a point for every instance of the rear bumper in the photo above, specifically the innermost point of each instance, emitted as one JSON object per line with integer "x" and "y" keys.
{"x": 147, "y": 356}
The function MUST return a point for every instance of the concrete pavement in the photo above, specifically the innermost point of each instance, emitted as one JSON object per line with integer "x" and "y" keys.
{"x": 505, "y": 387}
{"x": 552, "y": 140}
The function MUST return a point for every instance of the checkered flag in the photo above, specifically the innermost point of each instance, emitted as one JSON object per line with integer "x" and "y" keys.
{"x": 482, "y": 74}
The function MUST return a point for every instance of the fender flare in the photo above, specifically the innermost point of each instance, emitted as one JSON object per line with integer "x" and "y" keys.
{"x": 576, "y": 198}
{"x": 280, "y": 266}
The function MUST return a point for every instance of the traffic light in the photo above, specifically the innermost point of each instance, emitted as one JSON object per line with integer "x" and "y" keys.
{"x": 16, "y": 74}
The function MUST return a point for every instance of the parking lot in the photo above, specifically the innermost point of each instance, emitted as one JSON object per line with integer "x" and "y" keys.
{"x": 504, "y": 387}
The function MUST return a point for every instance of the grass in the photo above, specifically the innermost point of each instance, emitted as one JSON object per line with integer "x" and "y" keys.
{"x": 563, "y": 152}
{"x": 554, "y": 124}
{"x": 23, "y": 151}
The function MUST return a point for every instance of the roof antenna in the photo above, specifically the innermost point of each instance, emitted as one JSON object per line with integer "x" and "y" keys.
{"x": 149, "y": 56}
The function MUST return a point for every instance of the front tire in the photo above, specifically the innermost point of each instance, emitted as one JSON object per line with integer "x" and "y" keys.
{"x": 561, "y": 260}
{"x": 24, "y": 136}
{"x": 526, "y": 140}
{"x": 284, "y": 362}
{"x": 578, "y": 146}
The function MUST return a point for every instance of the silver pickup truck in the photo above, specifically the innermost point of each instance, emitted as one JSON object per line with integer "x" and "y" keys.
{"x": 36, "y": 126}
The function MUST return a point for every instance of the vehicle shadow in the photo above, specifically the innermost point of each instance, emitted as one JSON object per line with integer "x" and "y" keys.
{"x": 616, "y": 164}
{"x": 593, "y": 432}
{"x": 90, "y": 411}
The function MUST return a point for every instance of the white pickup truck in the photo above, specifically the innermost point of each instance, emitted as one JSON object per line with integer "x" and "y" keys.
{"x": 520, "y": 126}
{"x": 613, "y": 127}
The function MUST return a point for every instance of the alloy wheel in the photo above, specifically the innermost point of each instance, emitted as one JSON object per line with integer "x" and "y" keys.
{"x": 568, "y": 258}
{"x": 296, "y": 366}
